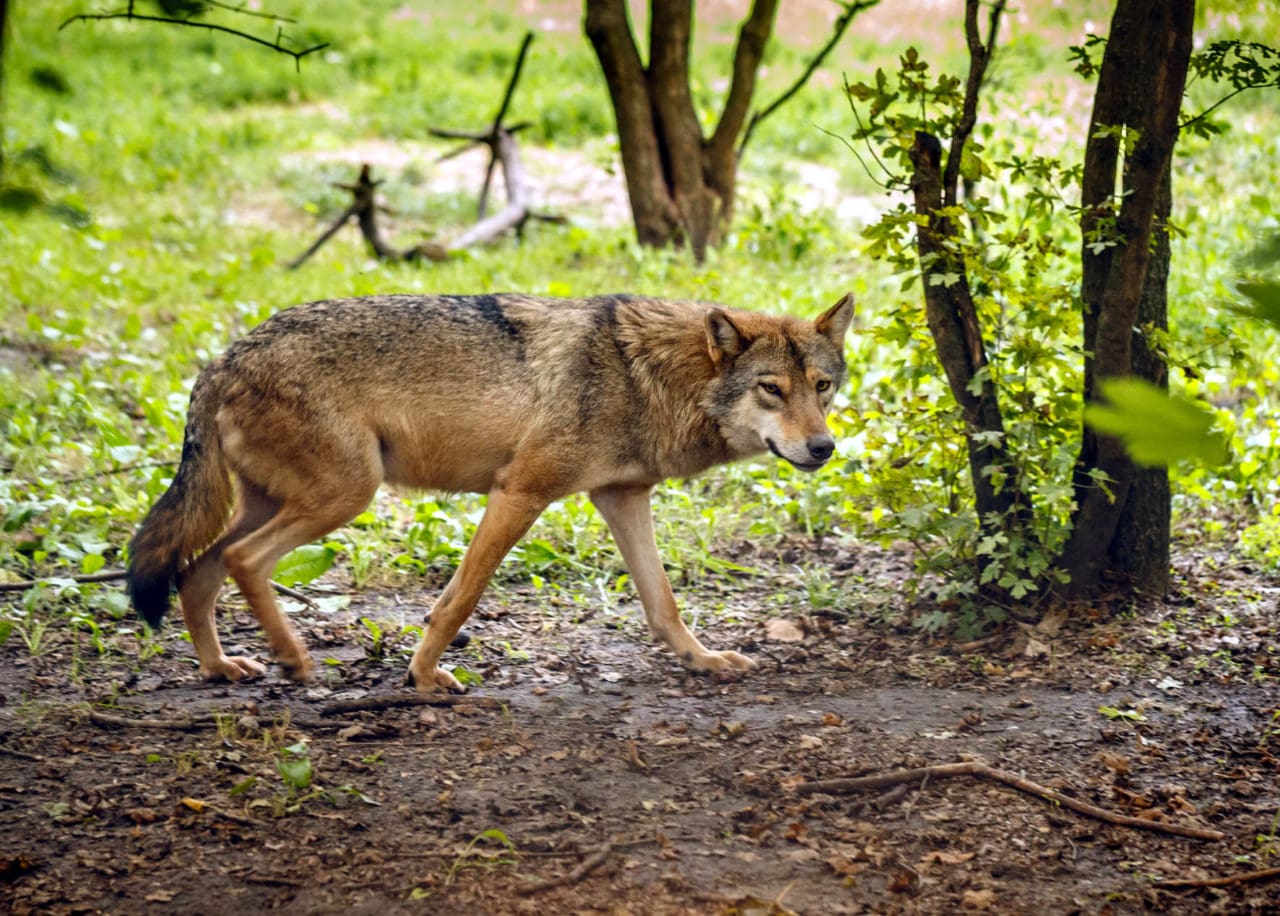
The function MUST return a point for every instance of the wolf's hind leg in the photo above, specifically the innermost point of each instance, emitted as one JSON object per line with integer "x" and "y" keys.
{"x": 201, "y": 582}
{"x": 506, "y": 519}
{"x": 251, "y": 560}
{"x": 626, "y": 510}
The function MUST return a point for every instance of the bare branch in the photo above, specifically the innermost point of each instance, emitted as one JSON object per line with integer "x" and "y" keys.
{"x": 243, "y": 10}
{"x": 837, "y": 32}
{"x": 1222, "y": 101}
{"x": 191, "y": 23}
{"x": 511, "y": 83}
{"x": 979, "y": 58}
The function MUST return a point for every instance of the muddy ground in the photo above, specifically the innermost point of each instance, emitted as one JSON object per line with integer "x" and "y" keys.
{"x": 587, "y": 756}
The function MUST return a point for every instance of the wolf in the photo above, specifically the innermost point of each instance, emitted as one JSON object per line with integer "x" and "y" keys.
{"x": 526, "y": 399}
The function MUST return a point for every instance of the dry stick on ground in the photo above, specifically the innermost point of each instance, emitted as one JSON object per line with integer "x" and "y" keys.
{"x": 974, "y": 768}
{"x": 398, "y": 700}
{"x": 592, "y": 862}
{"x": 580, "y": 871}
{"x": 1265, "y": 874}
{"x": 193, "y": 723}
{"x": 115, "y": 575}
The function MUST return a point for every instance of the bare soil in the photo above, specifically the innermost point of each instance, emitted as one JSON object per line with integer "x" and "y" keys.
{"x": 589, "y": 757}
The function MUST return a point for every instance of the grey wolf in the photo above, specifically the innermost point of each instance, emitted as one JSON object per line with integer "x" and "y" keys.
{"x": 526, "y": 399}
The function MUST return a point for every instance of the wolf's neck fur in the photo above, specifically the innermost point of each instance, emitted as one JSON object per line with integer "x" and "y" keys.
{"x": 671, "y": 365}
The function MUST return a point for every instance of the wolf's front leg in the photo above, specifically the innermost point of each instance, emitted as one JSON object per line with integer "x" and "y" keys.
{"x": 626, "y": 510}
{"x": 506, "y": 519}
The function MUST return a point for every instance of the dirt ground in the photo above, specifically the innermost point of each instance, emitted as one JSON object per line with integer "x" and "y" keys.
{"x": 588, "y": 773}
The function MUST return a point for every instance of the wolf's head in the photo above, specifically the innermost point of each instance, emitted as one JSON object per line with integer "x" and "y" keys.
{"x": 775, "y": 378}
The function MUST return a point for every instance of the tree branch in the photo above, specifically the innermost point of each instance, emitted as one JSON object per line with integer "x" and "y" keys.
{"x": 752, "y": 38}
{"x": 983, "y": 771}
{"x": 979, "y": 58}
{"x": 191, "y": 23}
{"x": 837, "y": 32}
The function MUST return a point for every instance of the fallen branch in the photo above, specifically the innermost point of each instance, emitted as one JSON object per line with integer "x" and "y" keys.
{"x": 502, "y": 151}
{"x": 400, "y": 700}
{"x": 116, "y": 575}
{"x": 981, "y": 770}
{"x": 182, "y": 724}
{"x": 1265, "y": 874}
{"x": 580, "y": 871}
{"x": 110, "y": 575}
{"x": 196, "y": 723}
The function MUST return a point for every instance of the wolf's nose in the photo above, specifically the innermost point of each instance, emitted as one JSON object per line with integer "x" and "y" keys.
{"x": 821, "y": 447}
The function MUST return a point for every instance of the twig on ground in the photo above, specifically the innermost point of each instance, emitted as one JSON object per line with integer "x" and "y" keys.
{"x": 21, "y": 755}
{"x": 110, "y": 575}
{"x": 982, "y": 770}
{"x": 580, "y": 871}
{"x": 180, "y": 724}
{"x": 1265, "y": 874}
{"x": 115, "y": 575}
{"x": 199, "y": 723}
{"x": 398, "y": 700}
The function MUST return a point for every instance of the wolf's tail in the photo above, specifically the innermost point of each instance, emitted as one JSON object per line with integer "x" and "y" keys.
{"x": 187, "y": 517}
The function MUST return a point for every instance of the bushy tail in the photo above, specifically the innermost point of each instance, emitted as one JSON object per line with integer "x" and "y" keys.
{"x": 186, "y": 518}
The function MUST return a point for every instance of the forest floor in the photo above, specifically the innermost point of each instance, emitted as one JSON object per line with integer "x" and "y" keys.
{"x": 588, "y": 773}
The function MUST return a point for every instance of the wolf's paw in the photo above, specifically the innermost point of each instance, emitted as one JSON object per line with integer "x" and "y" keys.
{"x": 714, "y": 662}
{"x": 298, "y": 669}
{"x": 232, "y": 668}
{"x": 439, "y": 680}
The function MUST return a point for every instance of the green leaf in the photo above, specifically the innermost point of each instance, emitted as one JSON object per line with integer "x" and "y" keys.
{"x": 243, "y": 785}
{"x": 1264, "y": 302}
{"x": 1157, "y": 428}
{"x": 295, "y": 772}
{"x": 298, "y": 567}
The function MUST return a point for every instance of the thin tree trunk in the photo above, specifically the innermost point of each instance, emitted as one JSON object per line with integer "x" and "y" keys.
{"x": 949, "y": 306}
{"x": 681, "y": 184}
{"x": 656, "y": 217}
{"x": 1139, "y": 552}
{"x": 1140, "y": 86}
{"x": 953, "y": 322}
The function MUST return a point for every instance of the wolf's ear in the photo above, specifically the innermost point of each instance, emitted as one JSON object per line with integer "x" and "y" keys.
{"x": 724, "y": 340}
{"x": 834, "y": 322}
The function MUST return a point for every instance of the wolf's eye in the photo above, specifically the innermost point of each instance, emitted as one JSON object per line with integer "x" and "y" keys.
{"x": 822, "y": 385}
{"x": 770, "y": 388}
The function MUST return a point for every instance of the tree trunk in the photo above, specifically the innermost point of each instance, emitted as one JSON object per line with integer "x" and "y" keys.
{"x": 953, "y": 323}
{"x": 1139, "y": 552}
{"x": 680, "y": 183}
{"x": 1140, "y": 87}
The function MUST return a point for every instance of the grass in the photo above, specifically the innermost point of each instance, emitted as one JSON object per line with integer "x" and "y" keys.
{"x": 179, "y": 172}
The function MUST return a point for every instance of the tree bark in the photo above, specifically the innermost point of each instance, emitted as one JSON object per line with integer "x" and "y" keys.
{"x": 949, "y": 306}
{"x": 680, "y": 183}
{"x": 656, "y": 217}
{"x": 1139, "y": 552}
{"x": 953, "y": 323}
{"x": 1140, "y": 86}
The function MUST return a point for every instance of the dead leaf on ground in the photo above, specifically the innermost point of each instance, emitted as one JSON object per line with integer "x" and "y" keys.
{"x": 780, "y": 630}
{"x": 945, "y": 857}
{"x": 981, "y": 899}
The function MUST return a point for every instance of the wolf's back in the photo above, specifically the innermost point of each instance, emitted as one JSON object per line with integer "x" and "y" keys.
{"x": 187, "y": 517}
